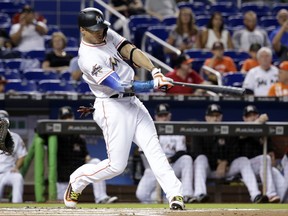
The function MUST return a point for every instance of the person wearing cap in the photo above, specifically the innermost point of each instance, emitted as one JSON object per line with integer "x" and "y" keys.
{"x": 11, "y": 165}
{"x": 28, "y": 34}
{"x": 219, "y": 62}
{"x": 259, "y": 79}
{"x": 282, "y": 17}
{"x": 217, "y": 158}
{"x": 3, "y": 82}
{"x": 252, "y": 148}
{"x": 251, "y": 33}
{"x": 72, "y": 153}
{"x": 184, "y": 73}
{"x": 280, "y": 88}
{"x": 57, "y": 59}
{"x": 174, "y": 146}
{"x": 121, "y": 116}
{"x": 251, "y": 62}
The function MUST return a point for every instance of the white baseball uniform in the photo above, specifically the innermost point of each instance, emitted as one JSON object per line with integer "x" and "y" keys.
{"x": 122, "y": 120}
{"x": 8, "y": 162}
{"x": 260, "y": 81}
{"x": 182, "y": 167}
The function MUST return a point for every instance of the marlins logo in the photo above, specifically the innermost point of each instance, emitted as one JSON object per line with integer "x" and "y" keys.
{"x": 114, "y": 62}
{"x": 99, "y": 19}
{"x": 96, "y": 69}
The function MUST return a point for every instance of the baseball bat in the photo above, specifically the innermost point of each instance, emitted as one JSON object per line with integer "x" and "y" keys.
{"x": 213, "y": 88}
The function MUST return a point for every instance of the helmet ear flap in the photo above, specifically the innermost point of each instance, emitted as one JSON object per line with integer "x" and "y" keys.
{"x": 105, "y": 33}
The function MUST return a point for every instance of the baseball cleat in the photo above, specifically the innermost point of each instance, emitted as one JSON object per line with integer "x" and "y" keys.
{"x": 108, "y": 200}
{"x": 177, "y": 203}
{"x": 70, "y": 197}
{"x": 4, "y": 124}
{"x": 274, "y": 199}
{"x": 260, "y": 199}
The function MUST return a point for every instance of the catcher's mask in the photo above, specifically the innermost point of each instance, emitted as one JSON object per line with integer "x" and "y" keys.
{"x": 4, "y": 114}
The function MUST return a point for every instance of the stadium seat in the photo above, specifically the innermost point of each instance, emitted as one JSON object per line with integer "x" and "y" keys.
{"x": 55, "y": 86}
{"x": 236, "y": 55}
{"x": 10, "y": 74}
{"x": 35, "y": 54}
{"x": 39, "y": 74}
{"x": 225, "y": 8}
{"x": 235, "y": 21}
{"x": 72, "y": 42}
{"x": 268, "y": 22}
{"x": 72, "y": 50}
{"x": 13, "y": 63}
{"x": 20, "y": 86}
{"x": 202, "y": 20}
{"x": 52, "y": 29}
{"x": 197, "y": 7}
{"x": 260, "y": 9}
{"x": 83, "y": 88}
{"x": 197, "y": 64}
{"x": 169, "y": 21}
{"x": 233, "y": 79}
{"x": 5, "y": 18}
{"x": 198, "y": 54}
{"x": 66, "y": 75}
{"x": 278, "y": 6}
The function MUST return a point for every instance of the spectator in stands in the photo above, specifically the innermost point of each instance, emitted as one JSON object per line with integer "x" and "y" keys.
{"x": 76, "y": 73}
{"x": 185, "y": 35}
{"x": 57, "y": 60}
{"x": 219, "y": 62}
{"x": 243, "y": 38}
{"x": 216, "y": 158}
{"x": 161, "y": 9}
{"x": 215, "y": 31}
{"x": 72, "y": 153}
{"x": 3, "y": 82}
{"x": 28, "y": 33}
{"x": 184, "y": 73}
{"x": 282, "y": 16}
{"x": 259, "y": 79}
{"x": 174, "y": 147}
{"x": 252, "y": 148}
{"x": 127, "y": 8}
{"x": 280, "y": 88}
{"x": 6, "y": 46}
{"x": 251, "y": 62}
{"x": 38, "y": 16}
{"x": 10, "y": 166}
{"x": 281, "y": 49}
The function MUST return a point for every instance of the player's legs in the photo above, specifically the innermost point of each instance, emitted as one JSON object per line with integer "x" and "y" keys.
{"x": 17, "y": 182}
{"x": 146, "y": 138}
{"x": 284, "y": 163}
{"x": 201, "y": 171}
{"x": 280, "y": 184}
{"x": 258, "y": 168}
{"x": 146, "y": 186}
{"x": 116, "y": 118}
{"x": 242, "y": 165}
{"x": 61, "y": 187}
{"x": 183, "y": 168}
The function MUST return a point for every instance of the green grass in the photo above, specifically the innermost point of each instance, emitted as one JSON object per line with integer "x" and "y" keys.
{"x": 138, "y": 205}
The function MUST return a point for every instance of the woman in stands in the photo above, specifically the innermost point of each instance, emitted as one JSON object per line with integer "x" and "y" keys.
{"x": 215, "y": 31}
{"x": 57, "y": 60}
{"x": 185, "y": 35}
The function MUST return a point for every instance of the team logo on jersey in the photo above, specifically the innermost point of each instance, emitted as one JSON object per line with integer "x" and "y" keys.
{"x": 114, "y": 62}
{"x": 96, "y": 69}
{"x": 99, "y": 19}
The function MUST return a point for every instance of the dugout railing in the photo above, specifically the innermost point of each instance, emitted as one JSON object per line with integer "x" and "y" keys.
{"x": 52, "y": 128}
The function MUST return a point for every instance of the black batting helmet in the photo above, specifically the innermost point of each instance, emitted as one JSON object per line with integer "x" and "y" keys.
{"x": 65, "y": 112}
{"x": 92, "y": 19}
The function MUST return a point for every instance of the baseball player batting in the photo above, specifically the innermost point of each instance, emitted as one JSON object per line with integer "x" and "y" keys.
{"x": 118, "y": 112}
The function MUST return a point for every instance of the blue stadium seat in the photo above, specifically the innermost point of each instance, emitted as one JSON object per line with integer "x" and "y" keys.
{"x": 169, "y": 21}
{"x": 66, "y": 75}
{"x": 202, "y": 20}
{"x": 236, "y": 55}
{"x": 13, "y": 63}
{"x": 225, "y": 9}
{"x": 20, "y": 86}
{"x": 196, "y": 7}
{"x": 10, "y": 74}
{"x": 269, "y": 21}
{"x": 260, "y": 9}
{"x": 197, "y": 64}
{"x": 39, "y": 74}
{"x": 52, "y": 29}
{"x": 35, "y": 54}
{"x": 278, "y": 6}
{"x": 233, "y": 79}
{"x": 5, "y": 18}
{"x": 235, "y": 21}
{"x": 55, "y": 86}
{"x": 83, "y": 88}
{"x": 198, "y": 54}
{"x": 72, "y": 50}
{"x": 72, "y": 42}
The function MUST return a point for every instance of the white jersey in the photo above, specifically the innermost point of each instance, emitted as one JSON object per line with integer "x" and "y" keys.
{"x": 260, "y": 80}
{"x": 98, "y": 61}
{"x": 172, "y": 144}
{"x": 9, "y": 161}
{"x": 212, "y": 38}
{"x": 30, "y": 38}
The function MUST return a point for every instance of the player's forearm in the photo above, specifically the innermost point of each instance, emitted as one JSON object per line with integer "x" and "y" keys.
{"x": 142, "y": 60}
{"x": 19, "y": 163}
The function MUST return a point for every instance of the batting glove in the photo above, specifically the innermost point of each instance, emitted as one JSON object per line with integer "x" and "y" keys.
{"x": 160, "y": 81}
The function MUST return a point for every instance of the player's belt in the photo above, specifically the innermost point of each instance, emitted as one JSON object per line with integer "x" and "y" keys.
{"x": 122, "y": 95}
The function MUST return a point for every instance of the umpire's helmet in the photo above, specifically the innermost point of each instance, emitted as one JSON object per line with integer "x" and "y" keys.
{"x": 92, "y": 19}
{"x": 66, "y": 112}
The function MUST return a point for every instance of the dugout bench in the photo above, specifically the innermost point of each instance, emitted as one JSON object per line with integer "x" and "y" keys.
{"x": 54, "y": 127}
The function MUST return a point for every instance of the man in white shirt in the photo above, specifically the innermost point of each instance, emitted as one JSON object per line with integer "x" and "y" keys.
{"x": 28, "y": 33}
{"x": 259, "y": 79}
